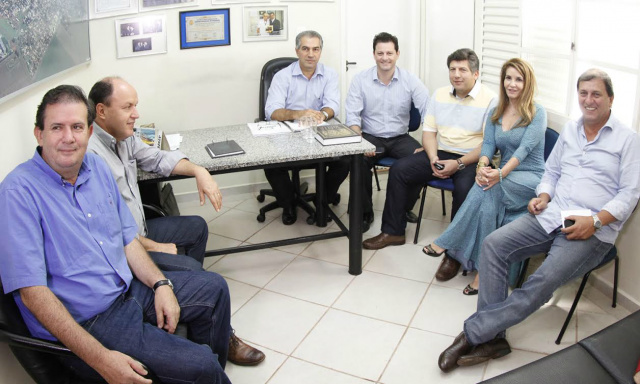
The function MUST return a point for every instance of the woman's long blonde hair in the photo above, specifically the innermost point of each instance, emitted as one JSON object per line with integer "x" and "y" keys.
{"x": 526, "y": 107}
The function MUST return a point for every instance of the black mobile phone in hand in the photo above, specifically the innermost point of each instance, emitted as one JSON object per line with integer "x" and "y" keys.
{"x": 438, "y": 166}
{"x": 568, "y": 223}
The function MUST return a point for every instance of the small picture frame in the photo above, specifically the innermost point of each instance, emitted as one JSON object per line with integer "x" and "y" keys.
{"x": 152, "y": 5}
{"x": 141, "y": 36}
{"x": 205, "y": 28}
{"x": 265, "y": 23}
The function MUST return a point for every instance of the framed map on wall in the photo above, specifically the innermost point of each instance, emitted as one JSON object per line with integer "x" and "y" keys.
{"x": 40, "y": 39}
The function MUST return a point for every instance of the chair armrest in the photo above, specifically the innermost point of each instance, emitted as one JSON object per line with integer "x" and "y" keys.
{"x": 155, "y": 209}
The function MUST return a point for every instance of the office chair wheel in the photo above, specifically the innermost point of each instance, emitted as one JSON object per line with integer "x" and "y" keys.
{"x": 261, "y": 217}
{"x": 311, "y": 219}
{"x": 260, "y": 199}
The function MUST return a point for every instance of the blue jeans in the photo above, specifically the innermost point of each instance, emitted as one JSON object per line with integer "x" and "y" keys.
{"x": 188, "y": 233}
{"x": 129, "y": 326}
{"x": 514, "y": 242}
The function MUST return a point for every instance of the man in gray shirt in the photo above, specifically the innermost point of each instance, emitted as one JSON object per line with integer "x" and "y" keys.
{"x": 115, "y": 103}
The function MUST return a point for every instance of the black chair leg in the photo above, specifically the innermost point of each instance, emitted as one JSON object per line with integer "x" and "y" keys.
{"x": 444, "y": 209}
{"x": 615, "y": 282}
{"x": 573, "y": 307}
{"x": 424, "y": 195}
{"x": 375, "y": 174}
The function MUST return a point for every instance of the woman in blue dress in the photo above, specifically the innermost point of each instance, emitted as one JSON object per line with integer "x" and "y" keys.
{"x": 516, "y": 128}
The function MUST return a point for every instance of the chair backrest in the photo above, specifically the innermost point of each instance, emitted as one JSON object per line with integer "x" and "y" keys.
{"x": 550, "y": 138}
{"x": 414, "y": 118}
{"x": 268, "y": 71}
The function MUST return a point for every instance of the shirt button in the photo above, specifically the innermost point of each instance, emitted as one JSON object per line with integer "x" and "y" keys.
{"x": 89, "y": 215}
{"x": 101, "y": 243}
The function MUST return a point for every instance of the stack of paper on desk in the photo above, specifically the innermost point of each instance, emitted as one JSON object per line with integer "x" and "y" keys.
{"x": 265, "y": 128}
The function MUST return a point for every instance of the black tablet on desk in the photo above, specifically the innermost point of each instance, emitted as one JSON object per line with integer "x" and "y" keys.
{"x": 224, "y": 148}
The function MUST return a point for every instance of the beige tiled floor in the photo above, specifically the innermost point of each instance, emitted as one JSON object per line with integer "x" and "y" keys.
{"x": 317, "y": 324}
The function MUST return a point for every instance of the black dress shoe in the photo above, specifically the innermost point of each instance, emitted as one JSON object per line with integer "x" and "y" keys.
{"x": 367, "y": 220}
{"x": 448, "y": 360}
{"x": 411, "y": 217}
{"x": 493, "y": 349}
{"x": 289, "y": 216}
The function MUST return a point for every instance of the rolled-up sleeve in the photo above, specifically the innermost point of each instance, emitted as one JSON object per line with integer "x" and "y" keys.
{"x": 625, "y": 201}
{"x": 331, "y": 94}
{"x": 277, "y": 95}
{"x": 152, "y": 159}
{"x": 354, "y": 103}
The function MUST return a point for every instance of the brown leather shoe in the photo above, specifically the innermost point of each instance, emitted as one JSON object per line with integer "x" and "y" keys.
{"x": 448, "y": 360}
{"x": 448, "y": 269}
{"x": 382, "y": 240}
{"x": 490, "y": 350}
{"x": 241, "y": 353}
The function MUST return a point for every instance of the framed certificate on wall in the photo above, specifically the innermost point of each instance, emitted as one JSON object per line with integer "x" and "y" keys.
{"x": 207, "y": 28}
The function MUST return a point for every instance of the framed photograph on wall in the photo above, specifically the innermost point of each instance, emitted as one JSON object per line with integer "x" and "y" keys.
{"x": 217, "y": 2}
{"x": 152, "y": 5}
{"x": 141, "y": 36}
{"x": 207, "y": 28}
{"x": 265, "y": 23}
{"x": 109, "y": 8}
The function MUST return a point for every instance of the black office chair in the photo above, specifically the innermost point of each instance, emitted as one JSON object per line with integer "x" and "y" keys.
{"x": 302, "y": 198}
{"x": 37, "y": 356}
{"x": 414, "y": 123}
{"x": 550, "y": 138}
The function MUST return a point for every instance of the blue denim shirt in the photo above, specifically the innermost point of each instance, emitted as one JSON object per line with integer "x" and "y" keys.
{"x": 69, "y": 238}
{"x": 598, "y": 175}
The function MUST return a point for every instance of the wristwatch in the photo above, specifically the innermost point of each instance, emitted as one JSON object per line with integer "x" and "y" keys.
{"x": 160, "y": 283}
{"x": 461, "y": 165}
{"x": 326, "y": 115}
{"x": 596, "y": 222}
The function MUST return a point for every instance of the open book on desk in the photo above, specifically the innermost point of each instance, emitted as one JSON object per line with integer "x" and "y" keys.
{"x": 224, "y": 148}
{"x": 265, "y": 128}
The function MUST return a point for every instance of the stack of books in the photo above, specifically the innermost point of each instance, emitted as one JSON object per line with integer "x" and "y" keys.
{"x": 336, "y": 134}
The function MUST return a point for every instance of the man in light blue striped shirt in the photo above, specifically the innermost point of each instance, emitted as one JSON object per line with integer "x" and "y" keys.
{"x": 378, "y": 105}
{"x": 593, "y": 168}
{"x": 304, "y": 88}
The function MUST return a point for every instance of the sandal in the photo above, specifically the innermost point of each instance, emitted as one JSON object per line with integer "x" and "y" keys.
{"x": 469, "y": 290}
{"x": 429, "y": 251}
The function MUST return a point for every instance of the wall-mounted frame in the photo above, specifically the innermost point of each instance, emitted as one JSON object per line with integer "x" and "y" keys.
{"x": 312, "y": 1}
{"x": 265, "y": 23}
{"x": 141, "y": 36}
{"x": 109, "y": 8}
{"x": 218, "y": 2}
{"x": 206, "y": 28}
{"x": 152, "y": 5}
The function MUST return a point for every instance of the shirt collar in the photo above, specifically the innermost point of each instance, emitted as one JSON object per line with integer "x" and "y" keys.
{"x": 473, "y": 93}
{"x": 611, "y": 123}
{"x": 105, "y": 137}
{"x": 298, "y": 72}
{"x": 83, "y": 173}
{"x": 374, "y": 75}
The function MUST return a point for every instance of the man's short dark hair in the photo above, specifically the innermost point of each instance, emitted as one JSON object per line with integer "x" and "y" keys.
{"x": 384, "y": 37}
{"x": 595, "y": 73}
{"x": 465, "y": 54}
{"x": 63, "y": 94}
{"x": 309, "y": 34}
{"x": 271, "y": 13}
{"x": 101, "y": 91}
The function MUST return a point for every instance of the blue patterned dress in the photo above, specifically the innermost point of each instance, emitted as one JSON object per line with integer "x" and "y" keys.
{"x": 484, "y": 211}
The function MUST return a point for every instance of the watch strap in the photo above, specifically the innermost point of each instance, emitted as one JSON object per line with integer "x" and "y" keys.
{"x": 160, "y": 283}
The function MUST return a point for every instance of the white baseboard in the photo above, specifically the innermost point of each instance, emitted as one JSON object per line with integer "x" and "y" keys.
{"x": 606, "y": 288}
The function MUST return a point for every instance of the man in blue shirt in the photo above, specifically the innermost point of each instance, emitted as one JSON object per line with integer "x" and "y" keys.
{"x": 79, "y": 275}
{"x": 593, "y": 167}
{"x": 378, "y": 106}
{"x": 304, "y": 88}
